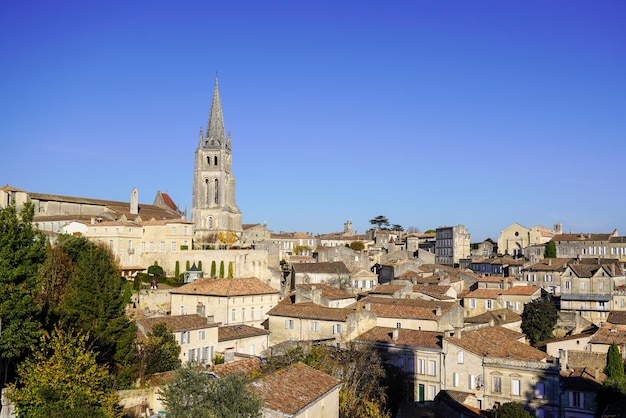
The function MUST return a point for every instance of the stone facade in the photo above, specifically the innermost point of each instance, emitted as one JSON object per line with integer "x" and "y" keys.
{"x": 213, "y": 202}
{"x": 452, "y": 244}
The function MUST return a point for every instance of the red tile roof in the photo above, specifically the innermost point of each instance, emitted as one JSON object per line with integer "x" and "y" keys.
{"x": 175, "y": 323}
{"x": 310, "y": 310}
{"x": 328, "y": 291}
{"x": 484, "y": 293}
{"x": 405, "y": 308}
{"x": 408, "y": 337}
{"x": 235, "y": 332}
{"x": 522, "y": 290}
{"x": 290, "y": 390}
{"x": 497, "y": 342}
{"x": 226, "y": 287}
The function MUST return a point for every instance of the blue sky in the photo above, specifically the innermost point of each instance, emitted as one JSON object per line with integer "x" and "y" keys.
{"x": 482, "y": 113}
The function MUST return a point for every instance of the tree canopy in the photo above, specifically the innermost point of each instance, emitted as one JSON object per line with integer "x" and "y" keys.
{"x": 22, "y": 250}
{"x": 538, "y": 320}
{"x": 193, "y": 393}
{"x": 550, "y": 251}
{"x": 614, "y": 363}
{"x": 63, "y": 379}
{"x": 159, "y": 353}
{"x": 380, "y": 221}
{"x": 511, "y": 410}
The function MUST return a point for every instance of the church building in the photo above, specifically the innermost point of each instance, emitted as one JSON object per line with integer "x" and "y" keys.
{"x": 213, "y": 202}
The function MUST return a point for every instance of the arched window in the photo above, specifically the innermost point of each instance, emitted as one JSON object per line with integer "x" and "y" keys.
{"x": 208, "y": 160}
{"x": 210, "y": 222}
{"x": 206, "y": 190}
{"x": 217, "y": 190}
{"x": 215, "y": 160}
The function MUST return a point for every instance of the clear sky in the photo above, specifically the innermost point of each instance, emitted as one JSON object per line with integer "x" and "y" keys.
{"x": 431, "y": 113}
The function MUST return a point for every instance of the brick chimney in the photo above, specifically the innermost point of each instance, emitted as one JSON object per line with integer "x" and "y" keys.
{"x": 394, "y": 334}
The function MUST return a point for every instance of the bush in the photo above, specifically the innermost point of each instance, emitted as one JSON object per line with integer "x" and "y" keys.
{"x": 155, "y": 270}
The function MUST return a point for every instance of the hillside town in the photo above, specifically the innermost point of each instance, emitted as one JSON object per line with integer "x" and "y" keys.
{"x": 453, "y": 317}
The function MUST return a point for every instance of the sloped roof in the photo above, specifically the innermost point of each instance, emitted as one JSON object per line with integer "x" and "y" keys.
{"x": 581, "y": 237}
{"x": 235, "y": 332}
{"x": 617, "y": 317}
{"x": 336, "y": 267}
{"x": 328, "y": 291}
{"x": 405, "y": 308}
{"x": 522, "y": 290}
{"x": 408, "y": 337}
{"x": 499, "y": 316}
{"x": 609, "y": 334}
{"x": 174, "y": 323}
{"x": 290, "y": 390}
{"x": 310, "y": 310}
{"x": 497, "y": 342}
{"x": 484, "y": 293}
{"x": 549, "y": 264}
{"x": 226, "y": 287}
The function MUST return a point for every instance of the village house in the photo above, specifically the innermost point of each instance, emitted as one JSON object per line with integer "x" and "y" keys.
{"x": 324, "y": 295}
{"x": 583, "y": 245}
{"x": 417, "y": 314}
{"x": 308, "y": 321}
{"x": 498, "y": 367}
{"x": 363, "y": 280}
{"x": 227, "y": 301}
{"x": 243, "y": 339}
{"x": 416, "y": 353}
{"x": 547, "y": 274}
{"x": 196, "y": 336}
{"x": 332, "y": 272}
{"x": 298, "y": 391}
{"x": 505, "y": 318}
{"x": 515, "y": 238}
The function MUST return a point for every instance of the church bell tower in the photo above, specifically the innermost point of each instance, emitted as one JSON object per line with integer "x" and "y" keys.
{"x": 213, "y": 208}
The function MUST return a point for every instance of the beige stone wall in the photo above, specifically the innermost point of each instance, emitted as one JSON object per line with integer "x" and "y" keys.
{"x": 252, "y": 346}
{"x": 407, "y": 323}
{"x": 248, "y": 310}
{"x": 201, "y": 341}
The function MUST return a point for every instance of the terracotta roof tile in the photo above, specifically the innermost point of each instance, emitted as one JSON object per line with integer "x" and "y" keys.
{"x": 499, "y": 316}
{"x": 484, "y": 293}
{"x": 497, "y": 342}
{"x": 226, "y": 287}
{"x": 522, "y": 290}
{"x": 310, "y": 310}
{"x": 328, "y": 291}
{"x": 608, "y": 334}
{"x": 234, "y": 332}
{"x": 175, "y": 323}
{"x": 405, "y": 308}
{"x": 408, "y": 337}
{"x": 333, "y": 267}
{"x": 291, "y": 389}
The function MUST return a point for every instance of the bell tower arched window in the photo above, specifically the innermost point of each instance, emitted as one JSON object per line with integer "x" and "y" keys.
{"x": 206, "y": 190}
{"x": 215, "y": 160}
{"x": 217, "y": 190}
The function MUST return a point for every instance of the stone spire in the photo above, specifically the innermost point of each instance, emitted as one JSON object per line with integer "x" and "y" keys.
{"x": 215, "y": 128}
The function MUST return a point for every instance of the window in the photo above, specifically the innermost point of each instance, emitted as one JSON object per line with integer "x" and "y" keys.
{"x": 460, "y": 357}
{"x": 337, "y": 329}
{"x": 497, "y": 384}
{"x": 233, "y": 314}
{"x": 143, "y": 246}
{"x": 288, "y": 323}
{"x": 582, "y": 286}
{"x": 162, "y": 246}
{"x": 568, "y": 285}
{"x": 252, "y": 313}
{"x": 173, "y": 246}
{"x": 432, "y": 392}
{"x": 185, "y": 337}
{"x": 516, "y": 306}
{"x": 432, "y": 368}
{"x": 398, "y": 325}
{"x": 540, "y": 390}
{"x": 539, "y": 413}
{"x": 455, "y": 380}
{"x": 111, "y": 245}
{"x": 192, "y": 354}
{"x": 151, "y": 246}
{"x": 202, "y": 334}
{"x": 205, "y": 354}
{"x": 186, "y": 230}
{"x": 472, "y": 303}
{"x": 410, "y": 365}
{"x": 489, "y": 304}
{"x": 400, "y": 363}
{"x": 421, "y": 366}
{"x": 576, "y": 399}
{"x": 601, "y": 285}
{"x": 243, "y": 314}
{"x": 515, "y": 387}
{"x": 471, "y": 381}
{"x": 315, "y": 326}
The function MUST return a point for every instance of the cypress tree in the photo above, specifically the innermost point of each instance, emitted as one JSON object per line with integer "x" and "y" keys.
{"x": 230, "y": 269}
{"x": 213, "y": 269}
{"x": 200, "y": 265}
{"x": 222, "y": 269}
{"x": 614, "y": 363}
{"x": 177, "y": 269}
{"x": 187, "y": 265}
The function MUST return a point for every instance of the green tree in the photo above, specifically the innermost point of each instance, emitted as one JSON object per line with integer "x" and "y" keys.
{"x": 95, "y": 302}
{"x": 614, "y": 363}
{"x": 357, "y": 245}
{"x": 155, "y": 270}
{"x": 159, "y": 353}
{"x": 430, "y": 231}
{"x": 193, "y": 393}
{"x": 177, "y": 269}
{"x": 213, "y": 269}
{"x": 187, "y": 265}
{"x": 200, "y": 265}
{"x": 230, "y": 269}
{"x": 380, "y": 222}
{"x": 396, "y": 227}
{"x": 222, "y": 269}
{"x": 550, "y": 251}
{"x": 55, "y": 275}
{"x": 538, "y": 320}
{"x": 511, "y": 410}
{"x": 62, "y": 379}
{"x": 22, "y": 250}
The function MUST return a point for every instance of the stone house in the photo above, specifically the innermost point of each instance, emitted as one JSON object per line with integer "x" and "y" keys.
{"x": 416, "y": 353}
{"x": 579, "y": 390}
{"x": 363, "y": 280}
{"x": 547, "y": 274}
{"x": 298, "y": 391}
{"x": 498, "y": 367}
{"x": 452, "y": 243}
{"x": 437, "y": 292}
{"x": 395, "y": 269}
{"x": 516, "y": 297}
{"x": 227, "y": 301}
{"x": 311, "y": 322}
{"x": 332, "y": 272}
{"x": 505, "y": 318}
{"x": 196, "y": 336}
{"x": 324, "y": 294}
{"x": 254, "y": 234}
{"x": 479, "y": 301}
{"x": 242, "y": 339}
{"x": 588, "y": 290}
{"x": 416, "y": 314}
{"x": 515, "y": 238}
{"x": 351, "y": 258}
{"x": 583, "y": 245}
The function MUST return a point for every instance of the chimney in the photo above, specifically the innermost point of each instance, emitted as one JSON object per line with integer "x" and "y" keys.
{"x": 549, "y": 261}
{"x": 93, "y": 220}
{"x": 229, "y": 355}
{"x": 458, "y": 332}
{"x": 367, "y": 305}
{"x": 394, "y": 334}
{"x": 134, "y": 202}
{"x": 316, "y": 294}
{"x": 438, "y": 310}
{"x": 597, "y": 374}
{"x": 200, "y": 309}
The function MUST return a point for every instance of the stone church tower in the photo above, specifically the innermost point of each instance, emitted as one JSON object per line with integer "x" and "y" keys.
{"x": 214, "y": 209}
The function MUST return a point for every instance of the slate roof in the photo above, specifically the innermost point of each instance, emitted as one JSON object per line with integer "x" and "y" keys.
{"x": 225, "y": 287}
{"x": 290, "y": 390}
{"x": 235, "y": 332}
{"x": 332, "y": 267}
{"x": 408, "y": 337}
{"x": 497, "y": 342}
{"x": 405, "y": 308}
